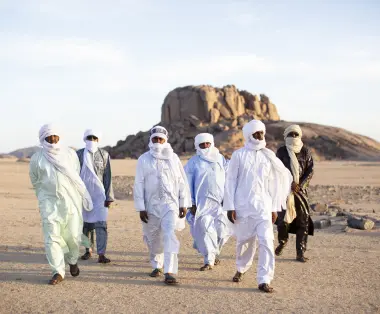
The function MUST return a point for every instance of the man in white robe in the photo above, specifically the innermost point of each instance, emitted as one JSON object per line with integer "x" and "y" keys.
{"x": 257, "y": 187}
{"x": 161, "y": 196}
{"x": 96, "y": 174}
{"x": 54, "y": 173}
{"x": 208, "y": 222}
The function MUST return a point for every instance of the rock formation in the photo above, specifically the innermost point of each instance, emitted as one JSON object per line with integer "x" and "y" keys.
{"x": 223, "y": 111}
{"x": 209, "y": 104}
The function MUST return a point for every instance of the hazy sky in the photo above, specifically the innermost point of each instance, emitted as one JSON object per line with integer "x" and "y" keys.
{"x": 109, "y": 64}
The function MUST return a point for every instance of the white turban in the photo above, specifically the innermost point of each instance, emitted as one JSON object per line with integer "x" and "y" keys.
{"x": 92, "y": 132}
{"x": 159, "y": 131}
{"x": 210, "y": 153}
{"x": 251, "y": 128}
{"x": 46, "y": 131}
{"x": 203, "y": 138}
{"x": 293, "y": 128}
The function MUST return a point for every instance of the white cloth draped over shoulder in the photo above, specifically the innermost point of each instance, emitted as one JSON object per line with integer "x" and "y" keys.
{"x": 58, "y": 157}
{"x": 293, "y": 146}
{"x": 93, "y": 184}
{"x": 253, "y": 156}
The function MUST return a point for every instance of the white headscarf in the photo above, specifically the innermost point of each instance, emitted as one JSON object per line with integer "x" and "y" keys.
{"x": 157, "y": 150}
{"x": 282, "y": 175}
{"x": 249, "y": 129}
{"x": 91, "y": 145}
{"x": 211, "y": 153}
{"x": 293, "y": 146}
{"x": 58, "y": 157}
{"x": 293, "y": 143}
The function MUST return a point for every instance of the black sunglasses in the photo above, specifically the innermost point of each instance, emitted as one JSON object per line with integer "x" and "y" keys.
{"x": 92, "y": 137}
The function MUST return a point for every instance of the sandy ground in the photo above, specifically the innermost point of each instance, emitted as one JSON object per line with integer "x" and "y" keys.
{"x": 343, "y": 275}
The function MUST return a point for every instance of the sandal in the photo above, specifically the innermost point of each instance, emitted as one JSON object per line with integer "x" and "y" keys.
{"x": 86, "y": 256}
{"x": 302, "y": 258}
{"x": 266, "y": 288}
{"x": 278, "y": 251}
{"x": 238, "y": 277}
{"x": 170, "y": 280}
{"x": 57, "y": 278}
{"x": 156, "y": 272}
{"x": 103, "y": 260}
{"x": 206, "y": 267}
{"x": 74, "y": 270}
{"x": 217, "y": 261}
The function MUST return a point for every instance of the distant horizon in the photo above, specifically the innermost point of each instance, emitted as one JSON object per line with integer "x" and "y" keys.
{"x": 113, "y": 145}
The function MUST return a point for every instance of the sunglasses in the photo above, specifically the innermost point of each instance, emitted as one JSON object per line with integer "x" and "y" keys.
{"x": 293, "y": 134}
{"x": 92, "y": 137}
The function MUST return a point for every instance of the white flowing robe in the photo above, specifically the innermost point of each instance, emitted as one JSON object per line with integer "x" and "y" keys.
{"x": 209, "y": 227}
{"x": 161, "y": 191}
{"x": 60, "y": 206}
{"x": 249, "y": 189}
{"x": 95, "y": 188}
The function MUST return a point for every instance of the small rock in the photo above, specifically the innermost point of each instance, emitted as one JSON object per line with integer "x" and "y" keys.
{"x": 320, "y": 208}
{"x": 322, "y": 224}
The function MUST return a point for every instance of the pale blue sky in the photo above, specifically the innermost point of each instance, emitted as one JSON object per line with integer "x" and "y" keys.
{"x": 109, "y": 64}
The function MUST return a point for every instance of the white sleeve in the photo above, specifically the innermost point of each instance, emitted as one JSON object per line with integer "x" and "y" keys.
{"x": 138, "y": 189}
{"x": 184, "y": 190}
{"x": 33, "y": 171}
{"x": 231, "y": 183}
{"x": 189, "y": 169}
{"x": 272, "y": 190}
{"x": 75, "y": 160}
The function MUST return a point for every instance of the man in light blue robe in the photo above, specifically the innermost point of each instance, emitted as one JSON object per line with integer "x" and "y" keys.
{"x": 209, "y": 225}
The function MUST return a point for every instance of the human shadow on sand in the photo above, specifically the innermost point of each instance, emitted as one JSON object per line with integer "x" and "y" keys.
{"x": 36, "y": 277}
{"x": 22, "y": 257}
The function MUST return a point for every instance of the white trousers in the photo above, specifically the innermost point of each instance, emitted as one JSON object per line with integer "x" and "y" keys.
{"x": 62, "y": 242}
{"x": 162, "y": 242}
{"x": 210, "y": 234}
{"x": 249, "y": 231}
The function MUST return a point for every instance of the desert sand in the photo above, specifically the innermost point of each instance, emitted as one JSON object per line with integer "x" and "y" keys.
{"x": 343, "y": 275}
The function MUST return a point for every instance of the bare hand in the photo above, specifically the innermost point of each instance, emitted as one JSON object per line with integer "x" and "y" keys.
{"x": 107, "y": 204}
{"x": 182, "y": 212}
{"x": 274, "y": 217}
{"x": 231, "y": 214}
{"x": 295, "y": 187}
{"x": 193, "y": 210}
{"x": 144, "y": 216}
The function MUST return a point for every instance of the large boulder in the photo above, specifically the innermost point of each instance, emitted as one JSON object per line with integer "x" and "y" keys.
{"x": 200, "y": 101}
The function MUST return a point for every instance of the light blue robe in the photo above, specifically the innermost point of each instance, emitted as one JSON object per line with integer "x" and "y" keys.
{"x": 209, "y": 227}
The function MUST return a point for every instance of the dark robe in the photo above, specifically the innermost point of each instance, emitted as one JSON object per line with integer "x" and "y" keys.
{"x": 303, "y": 222}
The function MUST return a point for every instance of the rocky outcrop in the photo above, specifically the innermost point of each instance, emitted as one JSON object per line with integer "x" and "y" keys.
{"x": 25, "y": 152}
{"x": 209, "y": 104}
{"x": 191, "y": 110}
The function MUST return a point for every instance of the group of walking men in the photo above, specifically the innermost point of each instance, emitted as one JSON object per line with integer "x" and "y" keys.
{"x": 218, "y": 198}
